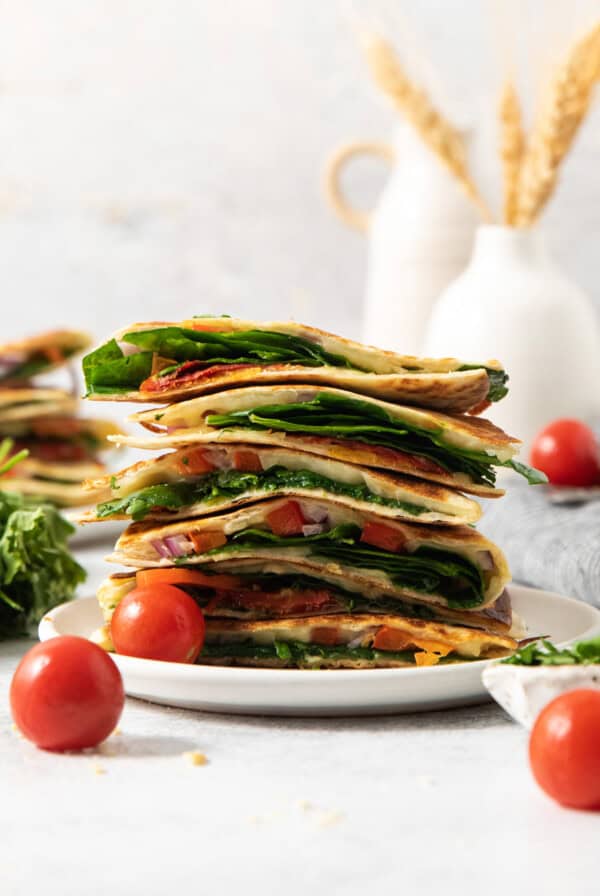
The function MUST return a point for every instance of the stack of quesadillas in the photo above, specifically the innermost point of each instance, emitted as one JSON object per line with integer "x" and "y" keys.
{"x": 63, "y": 449}
{"x": 313, "y": 502}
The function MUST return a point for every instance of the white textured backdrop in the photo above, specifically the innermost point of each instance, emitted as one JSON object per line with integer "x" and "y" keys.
{"x": 159, "y": 158}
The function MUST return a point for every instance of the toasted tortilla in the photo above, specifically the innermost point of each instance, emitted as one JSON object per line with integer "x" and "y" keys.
{"x": 421, "y": 501}
{"x": 137, "y": 546}
{"x": 59, "y": 483}
{"x": 29, "y": 404}
{"x": 426, "y": 382}
{"x": 53, "y": 348}
{"x": 61, "y": 427}
{"x": 428, "y": 642}
{"x": 498, "y": 617}
{"x": 185, "y": 423}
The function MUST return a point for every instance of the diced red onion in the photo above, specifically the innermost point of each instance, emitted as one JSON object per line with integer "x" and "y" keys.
{"x": 313, "y": 529}
{"x": 485, "y": 560}
{"x": 128, "y": 348}
{"x": 219, "y": 458}
{"x": 160, "y": 548}
{"x": 315, "y": 514}
{"x": 178, "y": 545}
{"x": 358, "y": 639}
{"x": 12, "y": 358}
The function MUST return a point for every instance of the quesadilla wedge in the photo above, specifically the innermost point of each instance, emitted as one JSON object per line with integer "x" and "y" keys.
{"x": 347, "y": 642}
{"x": 23, "y": 359}
{"x": 165, "y": 362}
{"x": 209, "y": 479}
{"x": 60, "y": 438}
{"x": 264, "y": 589}
{"x": 59, "y": 483}
{"x": 452, "y": 566}
{"x": 26, "y": 404}
{"x": 458, "y": 451}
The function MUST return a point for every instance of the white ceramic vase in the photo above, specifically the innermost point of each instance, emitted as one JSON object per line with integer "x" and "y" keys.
{"x": 420, "y": 235}
{"x": 514, "y": 303}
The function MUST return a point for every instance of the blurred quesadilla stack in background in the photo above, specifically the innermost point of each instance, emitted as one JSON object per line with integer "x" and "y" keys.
{"x": 316, "y": 500}
{"x": 63, "y": 449}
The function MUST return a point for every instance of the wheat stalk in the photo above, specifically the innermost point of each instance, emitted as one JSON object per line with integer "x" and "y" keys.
{"x": 512, "y": 148}
{"x": 441, "y": 137}
{"x": 560, "y": 118}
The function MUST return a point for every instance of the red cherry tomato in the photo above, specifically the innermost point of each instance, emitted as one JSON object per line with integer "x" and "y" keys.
{"x": 567, "y": 452}
{"x": 564, "y": 749}
{"x": 160, "y": 622}
{"x": 66, "y": 694}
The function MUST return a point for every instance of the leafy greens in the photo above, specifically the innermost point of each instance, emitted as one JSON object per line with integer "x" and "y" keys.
{"x": 426, "y": 570}
{"x": 109, "y": 370}
{"x": 544, "y": 653}
{"x": 37, "y": 572}
{"x": 337, "y": 416}
{"x": 214, "y": 488}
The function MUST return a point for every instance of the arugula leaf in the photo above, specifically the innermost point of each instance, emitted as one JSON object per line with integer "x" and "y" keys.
{"x": 37, "y": 572}
{"x": 215, "y": 488}
{"x": 544, "y": 653}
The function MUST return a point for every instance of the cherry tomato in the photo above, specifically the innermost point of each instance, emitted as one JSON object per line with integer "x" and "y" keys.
{"x": 564, "y": 749}
{"x": 66, "y": 694}
{"x": 158, "y": 623}
{"x": 567, "y": 452}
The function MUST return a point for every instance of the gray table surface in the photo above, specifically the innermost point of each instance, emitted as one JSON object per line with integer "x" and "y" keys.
{"x": 438, "y": 802}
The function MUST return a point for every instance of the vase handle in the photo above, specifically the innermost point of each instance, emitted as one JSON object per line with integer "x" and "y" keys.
{"x": 353, "y": 217}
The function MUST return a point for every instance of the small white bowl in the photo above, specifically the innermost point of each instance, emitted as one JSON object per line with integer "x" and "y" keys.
{"x": 523, "y": 691}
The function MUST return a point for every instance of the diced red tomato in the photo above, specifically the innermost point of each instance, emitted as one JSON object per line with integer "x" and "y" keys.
{"x": 181, "y": 576}
{"x": 194, "y": 463}
{"x": 384, "y": 537}
{"x": 54, "y": 354}
{"x": 326, "y": 636}
{"x": 248, "y": 461}
{"x": 388, "y": 638}
{"x": 286, "y": 520}
{"x": 206, "y": 541}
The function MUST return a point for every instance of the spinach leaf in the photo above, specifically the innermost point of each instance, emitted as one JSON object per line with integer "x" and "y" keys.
{"x": 299, "y": 653}
{"x": 37, "y": 572}
{"x": 217, "y": 487}
{"x": 498, "y": 380}
{"x": 426, "y": 570}
{"x": 107, "y": 370}
{"x": 340, "y": 417}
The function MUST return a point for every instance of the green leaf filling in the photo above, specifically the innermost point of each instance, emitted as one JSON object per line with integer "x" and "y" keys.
{"x": 544, "y": 653}
{"x": 37, "y": 572}
{"x": 108, "y": 370}
{"x": 299, "y": 653}
{"x": 426, "y": 570}
{"x": 336, "y": 416}
{"x": 217, "y": 487}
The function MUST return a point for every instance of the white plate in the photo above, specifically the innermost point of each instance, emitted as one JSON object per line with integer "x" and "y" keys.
{"x": 293, "y": 692}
